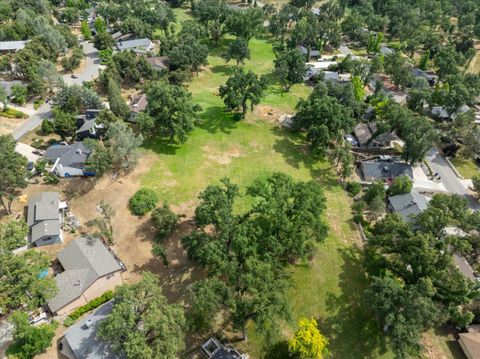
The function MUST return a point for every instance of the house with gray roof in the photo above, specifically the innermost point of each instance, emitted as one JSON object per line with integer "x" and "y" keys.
{"x": 68, "y": 160}
{"x": 314, "y": 53}
{"x": 12, "y": 46}
{"x": 90, "y": 269}
{"x": 408, "y": 205}
{"x": 44, "y": 218}
{"x": 213, "y": 349}
{"x": 87, "y": 126}
{"x": 142, "y": 46}
{"x": 384, "y": 170}
{"x": 464, "y": 267}
{"x": 80, "y": 341}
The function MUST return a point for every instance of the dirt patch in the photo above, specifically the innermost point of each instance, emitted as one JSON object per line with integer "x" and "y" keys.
{"x": 8, "y": 125}
{"x": 222, "y": 157}
{"x": 266, "y": 113}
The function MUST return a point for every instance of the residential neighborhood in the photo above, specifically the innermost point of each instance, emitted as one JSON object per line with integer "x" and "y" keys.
{"x": 239, "y": 180}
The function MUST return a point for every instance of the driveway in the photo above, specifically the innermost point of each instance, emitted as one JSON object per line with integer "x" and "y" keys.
{"x": 89, "y": 73}
{"x": 452, "y": 183}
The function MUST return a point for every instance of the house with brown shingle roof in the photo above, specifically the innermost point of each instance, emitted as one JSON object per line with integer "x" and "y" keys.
{"x": 470, "y": 342}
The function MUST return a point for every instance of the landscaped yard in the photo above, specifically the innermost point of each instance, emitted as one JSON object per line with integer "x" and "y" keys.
{"x": 466, "y": 167}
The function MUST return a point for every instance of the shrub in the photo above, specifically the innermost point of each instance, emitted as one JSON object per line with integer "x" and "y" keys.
{"x": 37, "y": 103}
{"x": 68, "y": 322}
{"x": 401, "y": 184}
{"x": 37, "y": 143}
{"x": 353, "y": 188}
{"x": 50, "y": 178}
{"x": 47, "y": 127}
{"x": 143, "y": 201}
{"x": 94, "y": 303}
{"x": 164, "y": 221}
{"x": 12, "y": 113}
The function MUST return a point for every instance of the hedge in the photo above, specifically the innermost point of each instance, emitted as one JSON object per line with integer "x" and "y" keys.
{"x": 12, "y": 113}
{"x": 94, "y": 303}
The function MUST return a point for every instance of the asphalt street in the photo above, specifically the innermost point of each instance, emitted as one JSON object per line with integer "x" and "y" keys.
{"x": 89, "y": 73}
{"x": 452, "y": 183}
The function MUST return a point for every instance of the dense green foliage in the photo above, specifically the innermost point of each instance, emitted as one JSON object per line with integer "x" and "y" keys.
{"x": 161, "y": 331}
{"x": 143, "y": 201}
{"x": 247, "y": 252}
{"x": 13, "y": 234}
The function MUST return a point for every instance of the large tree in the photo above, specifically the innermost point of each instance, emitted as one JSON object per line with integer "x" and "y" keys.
{"x": 13, "y": 171}
{"x": 117, "y": 103}
{"x": 290, "y": 67}
{"x": 124, "y": 145}
{"x": 237, "y": 50}
{"x": 30, "y": 340}
{"x": 142, "y": 324}
{"x": 324, "y": 118}
{"x": 188, "y": 55}
{"x": 242, "y": 87}
{"x": 172, "y": 110}
{"x": 76, "y": 98}
{"x": 13, "y": 234}
{"x": 248, "y": 251}
{"x": 245, "y": 23}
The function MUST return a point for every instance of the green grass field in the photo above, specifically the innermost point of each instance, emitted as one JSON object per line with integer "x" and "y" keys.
{"x": 466, "y": 167}
{"x": 330, "y": 286}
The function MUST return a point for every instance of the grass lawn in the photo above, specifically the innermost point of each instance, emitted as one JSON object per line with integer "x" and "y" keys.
{"x": 327, "y": 288}
{"x": 466, "y": 167}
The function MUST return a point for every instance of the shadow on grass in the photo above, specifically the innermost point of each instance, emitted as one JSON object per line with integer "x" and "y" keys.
{"x": 161, "y": 145}
{"x": 351, "y": 331}
{"x": 277, "y": 350}
{"x": 226, "y": 69}
{"x": 216, "y": 119}
{"x": 296, "y": 152}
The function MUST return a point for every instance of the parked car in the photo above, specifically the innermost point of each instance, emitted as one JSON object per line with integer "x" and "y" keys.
{"x": 74, "y": 76}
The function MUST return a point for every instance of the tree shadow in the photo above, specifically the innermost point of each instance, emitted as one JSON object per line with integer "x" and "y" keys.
{"x": 277, "y": 350}
{"x": 220, "y": 48}
{"x": 226, "y": 69}
{"x": 161, "y": 145}
{"x": 77, "y": 187}
{"x": 296, "y": 153}
{"x": 351, "y": 331}
{"x": 215, "y": 119}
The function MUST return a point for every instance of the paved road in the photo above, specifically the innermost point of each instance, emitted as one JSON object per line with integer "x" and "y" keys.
{"x": 452, "y": 183}
{"x": 89, "y": 73}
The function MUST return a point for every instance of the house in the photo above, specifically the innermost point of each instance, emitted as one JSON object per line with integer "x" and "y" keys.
{"x": 464, "y": 267}
{"x": 470, "y": 342}
{"x": 408, "y": 205}
{"x": 12, "y": 46}
{"x": 462, "y": 109}
{"x": 80, "y": 341}
{"x": 142, "y": 46}
{"x": 429, "y": 77}
{"x": 87, "y": 127}
{"x": 384, "y": 170}
{"x": 363, "y": 133}
{"x": 158, "y": 63}
{"x": 439, "y": 112}
{"x": 314, "y": 54}
{"x": 335, "y": 77}
{"x": 44, "y": 218}
{"x": 90, "y": 269}
{"x": 385, "y": 51}
{"x": 68, "y": 160}
{"x": 213, "y": 349}
{"x": 138, "y": 104}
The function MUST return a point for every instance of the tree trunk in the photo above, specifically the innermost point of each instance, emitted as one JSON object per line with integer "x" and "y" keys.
{"x": 4, "y": 205}
{"x": 245, "y": 338}
{"x": 244, "y": 108}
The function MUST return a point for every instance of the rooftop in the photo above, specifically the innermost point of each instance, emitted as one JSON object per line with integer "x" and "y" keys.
{"x": 12, "y": 45}
{"x": 43, "y": 206}
{"x": 85, "y": 260}
{"x": 470, "y": 344}
{"x": 73, "y": 155}
{"x": 158, "y": 62}
{"x": 463, "y": 266}
{"x": 408, "y": 205}
{"x": 133, "y": 44}
{"x": 380, "y": 170}
{"x": 82, "y": 341}
{"x": 362, "y": 133}
{"x": 139, "y": 103}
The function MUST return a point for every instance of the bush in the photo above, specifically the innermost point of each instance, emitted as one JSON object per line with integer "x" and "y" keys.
{"x": 12, "y": 113}
{"x": 94, "y": 303}
{"x": 37, "y": 103}
{"x": 50, "y": 178}
{"x": 143, "y": 201}
{"x": 164, "y": 221}
{"x": 353, "y": 188}
{"x": 47, "y": 127}
{"x": 68, "y": 322}
{"x": 38, "y": 143}
{"x": 401, "y": 184}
